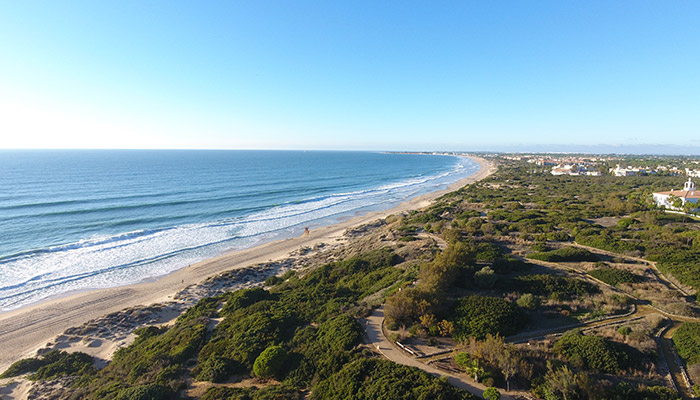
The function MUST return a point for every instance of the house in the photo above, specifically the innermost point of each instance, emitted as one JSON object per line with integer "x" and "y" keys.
{"x": 687, "y": 195}
{"x": 692, "y": 172}
{"x": 629, "y": 171}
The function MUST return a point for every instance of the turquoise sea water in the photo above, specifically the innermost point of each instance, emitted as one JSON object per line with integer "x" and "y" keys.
{"x": 72, "y": 220}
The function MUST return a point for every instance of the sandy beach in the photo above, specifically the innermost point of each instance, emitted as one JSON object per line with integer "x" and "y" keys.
{"x": 26, "y": 330}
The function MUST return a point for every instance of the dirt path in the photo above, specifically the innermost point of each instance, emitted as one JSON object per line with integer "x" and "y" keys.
{"x": 23, "y": 331}
{"x": 378, "y": 340}
{"x": 659, "y": 275}
{"x": 676, "y": 367}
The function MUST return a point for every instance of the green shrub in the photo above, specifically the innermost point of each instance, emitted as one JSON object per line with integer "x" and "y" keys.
{"x": 553, "y": 286}
{"x": 51, "y": 365}
{"x": 614, "y": 276}
{"x": 215, "y": 369}
{"x": 371, "y": 379}
{"x": 592, "y": 352}
{"x": 529, "y": 301}
{"x": 687, "y": 342}
{"x": 492, "y": 394}
{"x": 273, "y": 280}
{"x": 479, "y": 316}
{"x": 64, "y": 364}
{"x": 340, "y": 333}
{"x": 565, "y": 254}
{"x": 144, "y": 392}
{"x": 271, "y": 392}
{"x": 270, "y": 363}
{"x": 485, "y": 278}
{"x": 22, "y": 367}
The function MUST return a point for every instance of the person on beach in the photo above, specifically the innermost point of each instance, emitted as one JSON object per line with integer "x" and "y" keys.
{"x": 306, "y": 232}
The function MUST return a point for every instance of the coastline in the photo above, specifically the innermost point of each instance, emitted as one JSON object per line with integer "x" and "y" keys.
{"x": 27, "y": 329}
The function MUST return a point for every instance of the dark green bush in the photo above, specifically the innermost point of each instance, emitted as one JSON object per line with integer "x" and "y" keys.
{"x": 565, "y": 254}
{"x": 479, "y": 316}
{"x": 592, "y": 352}
{"x": 374, "y": 379}
{"x": 51, "y": 365}
{"x": 144, "y": 392}
{"x": 687, "y": 342}
{"x": 270, "y": 363}
{"x": 273, "y": 280}
{"x": 614, "y": 276}
{"x": 552, "y": 286}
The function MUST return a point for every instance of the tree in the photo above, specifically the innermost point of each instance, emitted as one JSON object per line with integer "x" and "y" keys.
{"x": 444, "y": 270}
{"x": 675, "y": 202}
{"x": 561, "y": 380}
{"x": 270, "y": 362}
{"x": 446, "y": 328}
{"x": 497, "y": 354}
{"x": 492, "y": 394}
{"x": 510, "y": 363}
{"x": 688, "y": 208}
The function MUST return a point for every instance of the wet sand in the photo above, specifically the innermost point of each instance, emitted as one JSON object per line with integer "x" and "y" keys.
{"x": 24, "y": 331}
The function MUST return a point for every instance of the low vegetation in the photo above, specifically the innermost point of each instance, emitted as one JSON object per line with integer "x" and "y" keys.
{"x": 615, "y": 276}
{"x": 687, "y": 342}
{"x": 466, "y": 282}
{"x": 371, "y": 379}
{"x": 479, "y": 316}
{"x": 568, "y": 253}
{"x": 593, "y": 352}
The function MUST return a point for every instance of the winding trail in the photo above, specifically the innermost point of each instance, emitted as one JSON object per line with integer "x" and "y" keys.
{"x": 678, "y": 374}
{"x": 376, "y": 337}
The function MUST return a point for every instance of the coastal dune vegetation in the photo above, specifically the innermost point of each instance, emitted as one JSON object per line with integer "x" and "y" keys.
{"x": 515, "y": 275}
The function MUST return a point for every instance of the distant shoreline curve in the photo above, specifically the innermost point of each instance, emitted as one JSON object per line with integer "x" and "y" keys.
{"x": 26, "y": 329}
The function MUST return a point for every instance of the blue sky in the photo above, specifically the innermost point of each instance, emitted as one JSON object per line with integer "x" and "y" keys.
{"x": 457, "y": 75}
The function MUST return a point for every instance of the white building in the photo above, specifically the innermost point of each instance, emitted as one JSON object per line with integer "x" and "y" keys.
{"x": 687, "y": 195}
{"x": 629, "y": 171}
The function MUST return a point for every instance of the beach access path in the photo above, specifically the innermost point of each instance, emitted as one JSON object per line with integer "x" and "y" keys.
{"x": 24, "y": 331}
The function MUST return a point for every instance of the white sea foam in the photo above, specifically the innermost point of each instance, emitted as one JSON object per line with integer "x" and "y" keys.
{"x": 131, "y": 257}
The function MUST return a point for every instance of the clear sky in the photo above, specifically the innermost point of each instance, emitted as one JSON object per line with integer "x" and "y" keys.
{"x": 404, "y": 75}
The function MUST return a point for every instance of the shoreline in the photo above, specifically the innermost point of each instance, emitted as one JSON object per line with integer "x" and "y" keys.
{"x": 24, "y": 330}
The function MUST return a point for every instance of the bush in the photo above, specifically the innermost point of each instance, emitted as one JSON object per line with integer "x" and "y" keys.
{"x": 529, "y": 301}
{"x": 64, "y": 364}
{"x": 492, "y": 394}
{"x": 51, "y": 365}
{"x": 479, "y": 316}
{"x": 687, "y": 342}
{"x": 340, "y": 333}
{"x": 565, "y": 254}
{"x": 22, "y": 367}
{"x": 215, "y": 369}
{"x": 270, "y": 363}
{"x": 553, "y": 286}
{"x": 144, "y": 392}
{"x": 592, "y": 352}
{"x": 273, "y": 280}
{"x": 485, "y": 278}
{"x": 614, "y": 276}
{"x": 371, "y": 379}
{"x": 271, "y": 392}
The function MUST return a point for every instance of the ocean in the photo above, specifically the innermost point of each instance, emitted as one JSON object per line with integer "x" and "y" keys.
{"x": 82, "y": 219}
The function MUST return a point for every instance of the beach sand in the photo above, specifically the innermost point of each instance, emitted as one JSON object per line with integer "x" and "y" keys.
{"x": 42, "y": 326}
